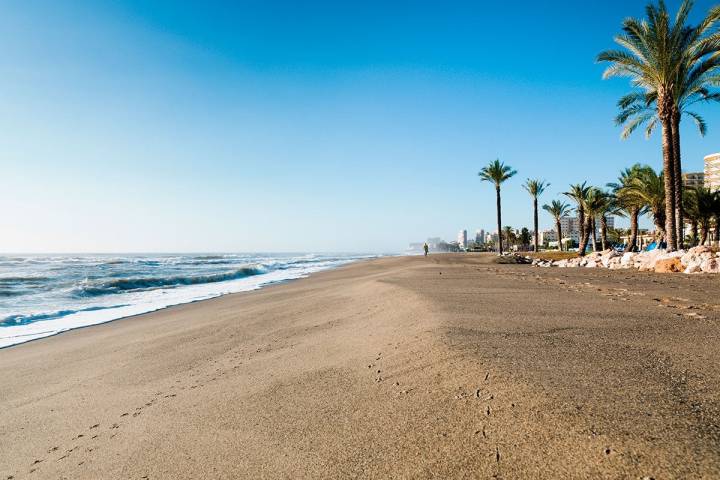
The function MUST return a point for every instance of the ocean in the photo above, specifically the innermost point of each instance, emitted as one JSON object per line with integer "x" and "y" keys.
{"x": 43, "y": 295}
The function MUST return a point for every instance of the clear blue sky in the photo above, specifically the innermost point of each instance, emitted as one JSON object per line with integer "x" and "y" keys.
{"x": 303, "y": 126}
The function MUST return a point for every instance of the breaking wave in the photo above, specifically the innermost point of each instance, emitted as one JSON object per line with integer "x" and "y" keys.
{"x": 122, "y": 285}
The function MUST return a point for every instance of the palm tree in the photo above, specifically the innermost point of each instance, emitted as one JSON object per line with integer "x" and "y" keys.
{"x": 558, "y": 210}
{"x": 638, "y": 108}
{"x": 535, "y": 188}
{"x": 607, "y": 205}
{"x": 578, "y": 193}
{"x": 701, "y": 206}
{"x": 673, "y": 63}
{"x": 510, "y": 236}
{"x": 597, "y": 204}
{"x": 627, "y": 204}
{"x": 690, "y": 207}
{"x": 648, "y": 189}
{"x": 497, "y": 172}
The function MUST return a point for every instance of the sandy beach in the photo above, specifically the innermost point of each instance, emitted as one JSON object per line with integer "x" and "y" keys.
{"x": 445, "y": 367}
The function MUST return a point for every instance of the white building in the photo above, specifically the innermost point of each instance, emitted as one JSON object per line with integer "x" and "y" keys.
{"x": 712, "y": 171}
{"x": 693, "y": 179}
{"x": 547, "y": 236}
{"x": 571, "y": 226}
{"x": 462, "y": 238}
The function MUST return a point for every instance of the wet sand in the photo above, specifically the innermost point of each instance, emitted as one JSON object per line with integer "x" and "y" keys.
{"x": 445, "y": 367}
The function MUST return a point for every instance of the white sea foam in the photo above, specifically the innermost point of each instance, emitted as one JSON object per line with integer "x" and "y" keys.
{"x": 32, "y": 309}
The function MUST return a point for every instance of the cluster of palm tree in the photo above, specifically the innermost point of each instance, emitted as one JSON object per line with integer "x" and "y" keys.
{"x": 702, "y": 207}
{"x": 639, "y": 190}
{"x": 672, "y": 66}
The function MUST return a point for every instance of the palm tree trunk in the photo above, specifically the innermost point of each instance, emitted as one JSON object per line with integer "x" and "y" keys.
{"x": 659, "y": 231}
{"x": 677, "y": 172}
{"x": 584, "y": 231}
{"x": 695, "y": 232}
{"x": 704, "y": 232}
{"x": 594, "y": 234}
{"x": 535, "y": 223}
{"x": 499, "y": 220}
{"x": 634, "y": 213}
{"x": 664, "y": 103}
{"x": 603, "y": 231}
{"x": 559, "y": 232}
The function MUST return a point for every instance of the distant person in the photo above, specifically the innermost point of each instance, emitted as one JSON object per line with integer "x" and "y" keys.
{"x": 426, "y": 248}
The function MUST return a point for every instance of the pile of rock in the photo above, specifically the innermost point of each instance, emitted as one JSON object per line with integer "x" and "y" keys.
{"x": 512, "y": 258}
{"x": 700, "y": 259}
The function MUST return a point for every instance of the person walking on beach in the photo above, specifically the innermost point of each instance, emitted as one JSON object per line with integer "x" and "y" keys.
{"x": 426, "y": 248}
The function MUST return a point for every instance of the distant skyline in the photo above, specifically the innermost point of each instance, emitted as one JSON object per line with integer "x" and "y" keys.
{"x": 163, "y": 126}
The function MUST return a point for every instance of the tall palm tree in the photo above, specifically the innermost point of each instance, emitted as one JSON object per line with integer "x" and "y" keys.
{"x": 628, "y": 204}
{"x": 638, "y": 108}
{"x": 648, "y": 189}
{"x": 597, "y": 204}
{"x": 496, "y": 173}
{"x": 670, "y": 61}
{"x": 535, "y": 188}
{"x": 578, "y": 193}
{"x": 558, "y": 210}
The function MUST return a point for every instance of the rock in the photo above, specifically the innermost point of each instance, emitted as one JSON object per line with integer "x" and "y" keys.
{"x": 701, "y": 249}
{"x": 688, "y": 258}
{"x": 668, "y": 265}
{"x": 710, "y": 265}
{"x": 627, "y": 259}
{"x": 693, "y": 268}
{"x": 607, "y": 256}
{"x": 693, "y": 264}
{"x": 662, "y": 255}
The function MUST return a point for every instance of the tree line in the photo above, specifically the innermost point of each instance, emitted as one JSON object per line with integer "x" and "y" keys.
{"x": 672, "y": 66}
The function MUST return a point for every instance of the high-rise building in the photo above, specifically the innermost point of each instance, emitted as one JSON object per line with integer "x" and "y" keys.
{"x": 462, "y": 238}
{"x": 570, "y": 226}
{"x": 547, "y": 236}
{"x": 693, "y": 179}
{"x": 610, "y": 221}
{"x": 480, "y": 236}
{"x": 712, "y": 171}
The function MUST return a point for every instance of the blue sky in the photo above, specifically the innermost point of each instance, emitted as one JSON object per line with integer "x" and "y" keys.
{"x": 304, "y": 126}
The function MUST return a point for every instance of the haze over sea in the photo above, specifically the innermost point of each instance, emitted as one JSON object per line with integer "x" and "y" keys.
{"x": 42, "y": 295}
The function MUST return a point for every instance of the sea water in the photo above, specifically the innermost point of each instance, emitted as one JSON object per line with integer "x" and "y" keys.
{"x": 42, "y": 295}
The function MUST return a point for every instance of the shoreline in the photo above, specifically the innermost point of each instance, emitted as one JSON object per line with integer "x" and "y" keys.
{"x": 150, "y": 309}
{"x": 448, "y": 366}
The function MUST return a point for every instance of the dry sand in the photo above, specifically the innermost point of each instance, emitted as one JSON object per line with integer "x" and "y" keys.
{"x": 445, "y": 367}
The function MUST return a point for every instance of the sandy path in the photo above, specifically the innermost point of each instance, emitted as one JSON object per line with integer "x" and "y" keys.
{"x": 396, "y": 368}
